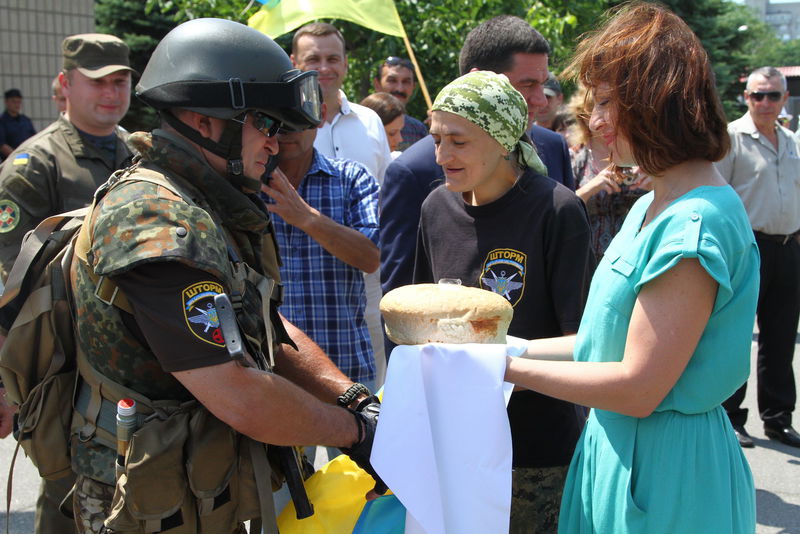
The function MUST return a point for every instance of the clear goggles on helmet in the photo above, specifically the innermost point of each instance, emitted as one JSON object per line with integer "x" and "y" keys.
{"x": 308, "y": 94}
{"x": 296, "y": 101}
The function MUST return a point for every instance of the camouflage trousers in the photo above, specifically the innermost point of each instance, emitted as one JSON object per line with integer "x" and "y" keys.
{"x": 536, "y": 499}
{"x": 91, "y": 504}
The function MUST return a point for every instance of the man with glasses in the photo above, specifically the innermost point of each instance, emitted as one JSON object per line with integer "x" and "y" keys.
{"x": 763, "y": 166}
{"x": 396, "y": 77}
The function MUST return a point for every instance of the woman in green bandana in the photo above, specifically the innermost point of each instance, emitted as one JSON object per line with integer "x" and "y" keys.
{"x": 500, "y": 224}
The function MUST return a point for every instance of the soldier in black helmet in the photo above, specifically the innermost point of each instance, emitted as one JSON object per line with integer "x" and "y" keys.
{"x": 166, "y": 238}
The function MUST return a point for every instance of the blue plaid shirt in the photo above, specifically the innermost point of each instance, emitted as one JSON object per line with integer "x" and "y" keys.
{"x": 324, "y": 296}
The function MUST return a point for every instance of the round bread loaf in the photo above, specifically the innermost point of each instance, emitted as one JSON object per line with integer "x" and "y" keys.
{"x": 445, "y": 313}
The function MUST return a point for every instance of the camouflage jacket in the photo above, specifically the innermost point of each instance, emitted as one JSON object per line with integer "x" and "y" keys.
{"x": 136, "y": 222}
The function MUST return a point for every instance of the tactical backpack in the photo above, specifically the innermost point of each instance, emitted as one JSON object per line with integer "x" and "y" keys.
{"x": 37, "y": 359}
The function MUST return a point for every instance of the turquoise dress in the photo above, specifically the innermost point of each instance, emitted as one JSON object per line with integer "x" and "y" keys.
{"x": 680, "y": 470}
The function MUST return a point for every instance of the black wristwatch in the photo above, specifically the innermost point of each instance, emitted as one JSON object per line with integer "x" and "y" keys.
{"x": 345, "y": 399}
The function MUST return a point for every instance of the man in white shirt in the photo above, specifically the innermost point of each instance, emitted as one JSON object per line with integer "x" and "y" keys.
{"x": 350, "y": 131}
{"x": 763, "y": 166}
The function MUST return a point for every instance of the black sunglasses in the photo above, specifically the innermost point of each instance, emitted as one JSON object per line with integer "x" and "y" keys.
{"x": 773, "y": 96}
{"x": 262, "y": 122}
{"x": 393, "y": 61}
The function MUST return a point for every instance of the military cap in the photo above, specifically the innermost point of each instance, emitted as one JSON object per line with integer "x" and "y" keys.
{"x": 95, "y": 54}
{"x": 551, "y": 86}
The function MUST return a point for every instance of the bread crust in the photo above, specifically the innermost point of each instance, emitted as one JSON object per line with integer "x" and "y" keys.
{"x": 445, "y": 313}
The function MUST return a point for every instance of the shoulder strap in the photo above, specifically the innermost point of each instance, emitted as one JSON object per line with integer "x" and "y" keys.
{"x": 33, "y": 245}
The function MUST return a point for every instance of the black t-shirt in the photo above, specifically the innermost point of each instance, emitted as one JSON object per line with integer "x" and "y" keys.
{"x": 174, "y": 314}
{"x": 532, "y": 246}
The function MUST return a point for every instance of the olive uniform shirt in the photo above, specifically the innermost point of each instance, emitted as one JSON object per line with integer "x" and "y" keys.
{"x": 54, "y": 171}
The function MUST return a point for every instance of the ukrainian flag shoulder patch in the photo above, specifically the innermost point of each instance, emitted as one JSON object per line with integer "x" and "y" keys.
{"x": 21, "y": 159}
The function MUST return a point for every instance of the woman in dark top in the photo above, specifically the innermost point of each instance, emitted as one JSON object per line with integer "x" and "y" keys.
{"x": 499, "y": 224}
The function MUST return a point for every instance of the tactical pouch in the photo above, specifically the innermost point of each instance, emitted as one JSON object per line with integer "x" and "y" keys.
{"x": 227, "y": 489}
{"x": 151, "y": 495}
{"x": 44, "y": 435}
{"x": 212, "y": 464}
{"x": 188, "y": 473}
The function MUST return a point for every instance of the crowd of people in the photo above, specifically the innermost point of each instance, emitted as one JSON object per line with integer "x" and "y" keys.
{"x": 635, "y": 232}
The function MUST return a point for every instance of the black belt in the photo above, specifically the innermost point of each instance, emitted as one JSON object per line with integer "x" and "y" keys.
{"x": 777, "y": 238}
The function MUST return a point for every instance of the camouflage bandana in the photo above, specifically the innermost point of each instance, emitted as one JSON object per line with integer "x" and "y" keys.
{"x": 489, "y": 101}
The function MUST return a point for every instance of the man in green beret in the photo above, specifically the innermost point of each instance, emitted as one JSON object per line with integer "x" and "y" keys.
{"x": 58, "y": 170}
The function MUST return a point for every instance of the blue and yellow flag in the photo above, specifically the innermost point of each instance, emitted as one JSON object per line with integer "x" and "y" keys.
{"x": 282, "y": 16}
{"x": 337, "y": 492}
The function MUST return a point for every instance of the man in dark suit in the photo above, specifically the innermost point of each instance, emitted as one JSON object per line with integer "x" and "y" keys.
{"x": 506, "y": 45}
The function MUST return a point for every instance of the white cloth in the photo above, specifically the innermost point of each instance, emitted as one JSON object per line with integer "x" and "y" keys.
{"x": 767, "y": 180}
{"x": 443, "y": 442}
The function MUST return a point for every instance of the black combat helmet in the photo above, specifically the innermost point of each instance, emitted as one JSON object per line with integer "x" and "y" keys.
{"x": 224, "y": 69}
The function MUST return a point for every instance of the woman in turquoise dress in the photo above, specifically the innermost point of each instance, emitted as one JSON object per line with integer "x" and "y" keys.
{"x": 666, "y": 333}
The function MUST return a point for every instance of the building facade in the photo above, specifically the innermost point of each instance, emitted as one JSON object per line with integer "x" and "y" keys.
{"x": 784, "y": 17}
{"x": 30, "y": 44}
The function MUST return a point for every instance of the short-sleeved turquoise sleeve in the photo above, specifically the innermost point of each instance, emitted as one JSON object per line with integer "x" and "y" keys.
{"x": 692, "y": 235}
{"x": 710, "y": 224}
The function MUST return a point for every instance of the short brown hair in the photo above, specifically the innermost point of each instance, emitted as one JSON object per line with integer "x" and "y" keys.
{"x": 387, "y": 106}
{"x": 663, "y": 88}
{"x": 318, "y": 29}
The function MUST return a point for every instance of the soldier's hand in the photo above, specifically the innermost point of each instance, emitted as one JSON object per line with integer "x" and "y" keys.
{"x": 366, "y": 414}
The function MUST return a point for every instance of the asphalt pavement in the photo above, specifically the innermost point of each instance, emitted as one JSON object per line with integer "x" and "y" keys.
{"x": 776, "y": 469}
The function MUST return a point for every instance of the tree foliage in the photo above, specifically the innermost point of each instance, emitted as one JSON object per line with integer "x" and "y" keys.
{"x": 729, "y": 32}
{"x": 735, "y": 40}
{"x": 128, "y": 21}
{"x": 436, "y": 31}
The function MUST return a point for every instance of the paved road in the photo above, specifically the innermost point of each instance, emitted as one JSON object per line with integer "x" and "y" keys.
{"x": 776, "y": 469}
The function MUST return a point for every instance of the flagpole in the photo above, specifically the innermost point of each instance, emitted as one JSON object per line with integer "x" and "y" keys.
{"x": 411, "y": 55}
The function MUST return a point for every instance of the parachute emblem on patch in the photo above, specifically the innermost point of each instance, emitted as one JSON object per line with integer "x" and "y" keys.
{"x": 504, "y": 273}
{"x": 200, "y": 313}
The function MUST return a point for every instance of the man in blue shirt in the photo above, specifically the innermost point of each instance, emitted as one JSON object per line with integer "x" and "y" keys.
{"x": 325, "y": 214}
{"x": 14, "y": 126}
